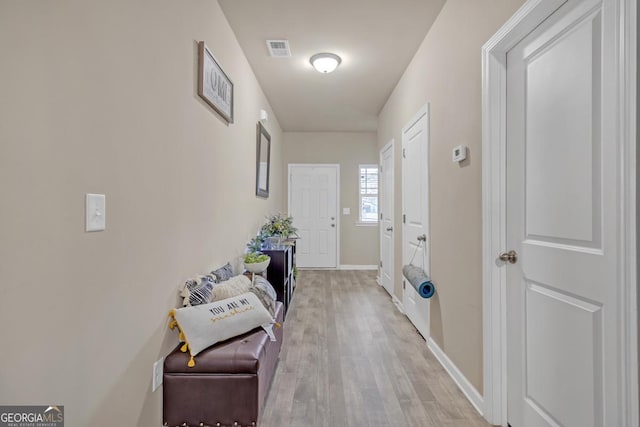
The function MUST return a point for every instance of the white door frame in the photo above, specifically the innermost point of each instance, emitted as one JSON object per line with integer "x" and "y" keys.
{"x": 337, "y": 168}
{"x": 532, "y": 13}
{"x": 389, "y": 145}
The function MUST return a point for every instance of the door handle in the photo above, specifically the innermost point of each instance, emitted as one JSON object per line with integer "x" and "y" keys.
{"x": 511, "y": 257}
{"x": 332, "y": 218}
{"x": 389, "y": 228}
{"x": 422, "y": 238}
{"x": 333, "y": 225}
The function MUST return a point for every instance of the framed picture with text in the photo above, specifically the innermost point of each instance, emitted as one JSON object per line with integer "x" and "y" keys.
{"x": 214, "y": 86}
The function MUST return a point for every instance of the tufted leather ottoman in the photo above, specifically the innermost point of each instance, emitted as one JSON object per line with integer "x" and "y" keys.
{"x": 229, "y": 384}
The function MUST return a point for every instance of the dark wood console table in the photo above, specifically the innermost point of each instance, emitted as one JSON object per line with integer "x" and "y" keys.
{"x": 280, "y": 272}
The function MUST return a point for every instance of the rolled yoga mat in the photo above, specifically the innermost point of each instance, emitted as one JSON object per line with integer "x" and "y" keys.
{"x": 419, "y": 280}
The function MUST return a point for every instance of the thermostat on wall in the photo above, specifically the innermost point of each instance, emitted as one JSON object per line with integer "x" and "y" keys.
{"x": 459, "y": 153}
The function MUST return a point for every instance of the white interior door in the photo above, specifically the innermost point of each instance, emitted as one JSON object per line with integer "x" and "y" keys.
{"x": 563, "y": 347}
{"x": 386, "y": 217}
{"x": 415, "y": 208}
{"x": 313, "y": 204}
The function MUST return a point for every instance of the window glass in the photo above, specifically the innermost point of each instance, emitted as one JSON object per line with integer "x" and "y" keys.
{"x": 368, "y": 193}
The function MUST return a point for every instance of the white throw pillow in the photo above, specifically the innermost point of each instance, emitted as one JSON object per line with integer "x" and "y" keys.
{"x": 203, "y": 325}
{"x": 231, "y": 287}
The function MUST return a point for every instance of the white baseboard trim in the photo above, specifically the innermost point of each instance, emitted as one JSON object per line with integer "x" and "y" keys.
{"x": 357, "y": 267}
{"x": 398, "y": 304}
{"x": 378, "y": 281}
{"x": 458, "y": 377}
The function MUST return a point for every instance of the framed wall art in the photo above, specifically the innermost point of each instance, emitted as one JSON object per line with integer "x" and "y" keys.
{"x": 214, "y": 86}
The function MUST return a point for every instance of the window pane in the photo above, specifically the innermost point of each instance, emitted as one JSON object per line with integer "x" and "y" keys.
{"x": 369, "y": 209}
{"x": 369, "y": 193}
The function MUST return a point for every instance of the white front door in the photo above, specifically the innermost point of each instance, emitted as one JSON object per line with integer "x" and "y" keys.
{"x": 386, "y": 217}
{"x": 563, "y": 346}
{"x": 415, "y": 210}
{"x": 313, "y": 204}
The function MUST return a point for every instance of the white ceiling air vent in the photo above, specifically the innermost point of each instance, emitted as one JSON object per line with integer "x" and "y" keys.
{"x": 279, "y": 48}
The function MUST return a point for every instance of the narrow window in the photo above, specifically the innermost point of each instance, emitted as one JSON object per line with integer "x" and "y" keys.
{"x": 369, "y": 193}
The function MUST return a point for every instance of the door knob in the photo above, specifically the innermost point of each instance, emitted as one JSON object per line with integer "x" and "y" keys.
{"x": 389, "y": 228}
{"x": 422, "y": 238}
{"x": 333, "y": 225}
{"x": 510, "y": 257}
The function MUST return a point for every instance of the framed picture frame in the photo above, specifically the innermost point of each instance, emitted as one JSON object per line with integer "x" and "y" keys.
{"x": 263, "y": 161}
{"x": 214, "y": 86}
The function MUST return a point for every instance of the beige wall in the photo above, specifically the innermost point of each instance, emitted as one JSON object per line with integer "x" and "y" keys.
{"x": 101, "y": 97}
{"x": 446, "y": 73}
{"x": 358, "y": 244}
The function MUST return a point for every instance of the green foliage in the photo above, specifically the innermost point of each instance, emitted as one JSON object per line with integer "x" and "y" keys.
{"x": 255, "y": 257}
{"x": 276, "y": 225}
{"x": 279, "y": 225}
{"x": 255, "y": 244}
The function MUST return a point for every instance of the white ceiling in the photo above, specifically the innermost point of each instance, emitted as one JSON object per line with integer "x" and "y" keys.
{"x": 375, "y": 38}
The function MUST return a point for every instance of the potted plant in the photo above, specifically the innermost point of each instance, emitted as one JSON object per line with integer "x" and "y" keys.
{"x": 276, "y": 229}
{"x": 281, "y": 226}
{"x": 256, "y": 262}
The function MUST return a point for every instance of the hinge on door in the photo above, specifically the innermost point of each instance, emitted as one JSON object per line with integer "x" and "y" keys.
{"x": 403, "y": 284}
{"x": 380, "y": 215}
{"x": 404, "y": 218}
{"x": 380, "y": 263}
{"x": 404, "y": 153}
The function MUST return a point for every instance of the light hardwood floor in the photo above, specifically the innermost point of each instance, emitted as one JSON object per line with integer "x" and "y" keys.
{"x": 351, "y": 359}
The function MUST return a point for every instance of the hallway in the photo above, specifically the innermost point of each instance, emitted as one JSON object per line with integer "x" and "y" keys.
{"x": 351, "y": 359}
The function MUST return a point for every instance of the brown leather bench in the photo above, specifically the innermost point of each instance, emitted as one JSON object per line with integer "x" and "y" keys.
{"x": 229, "y": 383}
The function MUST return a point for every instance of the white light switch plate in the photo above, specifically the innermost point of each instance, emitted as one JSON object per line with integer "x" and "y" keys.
{"x": 157, "y": 374}
{"x": 346, "y": 211}
{"x": 95, "y": 212}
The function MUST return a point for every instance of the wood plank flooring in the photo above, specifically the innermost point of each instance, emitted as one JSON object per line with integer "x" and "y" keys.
{"x": 351, "y": 359}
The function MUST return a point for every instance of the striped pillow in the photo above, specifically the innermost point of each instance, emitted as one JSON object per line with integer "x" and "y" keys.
{"x": 223, "y": 273}
{"x": 198, "y": 291}
{"x": 265, "y": 292}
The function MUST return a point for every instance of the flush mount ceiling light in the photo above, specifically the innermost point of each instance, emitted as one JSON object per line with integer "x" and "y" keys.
{"x": 325, "y": 62}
